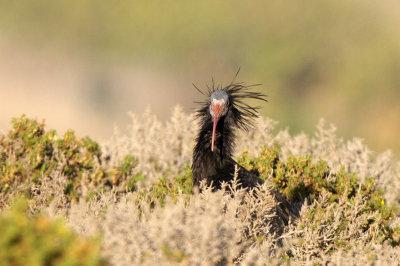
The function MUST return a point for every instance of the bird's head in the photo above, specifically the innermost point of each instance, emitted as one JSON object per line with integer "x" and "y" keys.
{"x": 221, "y": 102}
{"x": 219, "y": 106}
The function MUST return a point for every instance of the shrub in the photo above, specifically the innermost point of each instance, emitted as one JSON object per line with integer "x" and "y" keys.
{"x": 39, "y": 240}
{"x": 299, "y": 179}
{"x": 28, "y": 153}
{"x": 133, "y": 194}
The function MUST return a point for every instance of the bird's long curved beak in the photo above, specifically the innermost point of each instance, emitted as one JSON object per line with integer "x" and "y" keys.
{"x": 217, "y": 110}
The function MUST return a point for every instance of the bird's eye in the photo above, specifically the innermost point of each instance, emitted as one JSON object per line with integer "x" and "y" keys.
{"x": 209, "y": 102}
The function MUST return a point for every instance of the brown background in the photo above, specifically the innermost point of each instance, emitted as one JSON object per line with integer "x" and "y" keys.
{"x": 83, "y": 65}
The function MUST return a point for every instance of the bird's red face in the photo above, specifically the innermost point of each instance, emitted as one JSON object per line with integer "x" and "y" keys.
{"x": 219, "y": 104}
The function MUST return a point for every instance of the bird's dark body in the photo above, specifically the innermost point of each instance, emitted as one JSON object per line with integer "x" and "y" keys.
{"x": 215, "y": 163}
{"x": 217, "y": 166}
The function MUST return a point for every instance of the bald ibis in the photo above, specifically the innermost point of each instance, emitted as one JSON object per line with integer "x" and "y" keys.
{"x": 219, "y": 117}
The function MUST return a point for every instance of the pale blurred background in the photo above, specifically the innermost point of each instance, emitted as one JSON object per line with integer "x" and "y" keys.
{"x": 83, "y": 65}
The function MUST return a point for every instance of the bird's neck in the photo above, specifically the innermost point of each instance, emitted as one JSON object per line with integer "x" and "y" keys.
{"x": 206, "y": 162}
{"x": 223, "y": 143}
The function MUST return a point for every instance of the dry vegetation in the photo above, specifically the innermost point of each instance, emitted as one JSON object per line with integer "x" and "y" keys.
{"x": 129, "y": 201}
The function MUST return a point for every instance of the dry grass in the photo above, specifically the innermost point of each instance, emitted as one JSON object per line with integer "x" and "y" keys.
{"x": 229, "y": 226}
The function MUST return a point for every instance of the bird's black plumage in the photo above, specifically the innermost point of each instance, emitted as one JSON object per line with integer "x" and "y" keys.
{"x": 214, "y": 163}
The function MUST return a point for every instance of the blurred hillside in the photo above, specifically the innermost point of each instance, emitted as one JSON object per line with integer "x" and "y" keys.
{"x": 85, "y": 64}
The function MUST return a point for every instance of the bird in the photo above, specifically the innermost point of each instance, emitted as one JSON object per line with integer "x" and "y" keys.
{"x": 220, "y": 116}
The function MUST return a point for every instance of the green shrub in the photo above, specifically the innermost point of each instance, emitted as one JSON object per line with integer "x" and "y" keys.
{"x": 28, "y": 153}
{"x": 39, "y": 240}
{"x": 299, "y": 178}
{"x": 159, "y": 190}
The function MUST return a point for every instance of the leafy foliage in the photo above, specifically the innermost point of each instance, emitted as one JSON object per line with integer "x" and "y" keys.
{"x": 28, "y": 153}
{"x": 341, "y": 212}
{"x": 39, "y": 240}
{"x": 299, "y": 178}
{"x": 159, "y": 190}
